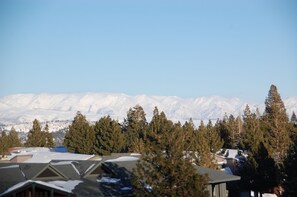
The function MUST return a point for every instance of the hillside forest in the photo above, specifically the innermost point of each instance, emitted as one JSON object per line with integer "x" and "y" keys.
{"x": 269, "y": 139}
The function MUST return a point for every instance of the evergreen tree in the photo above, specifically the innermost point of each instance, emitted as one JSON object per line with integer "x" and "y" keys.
{"x": 170, "y": 172}
{"x": 290, "y": 172}
{"x": 277, "y": 125}
{"x": 223, "y": 127}
{"x": 36, "y": 138}
{"x": 135, "y": 127}
{"x": 252, "y": 134}
{"x": 294, "y": 118}
{"x": 3, "y": 143}
{"x": 202, "y": 154}
{"x": 234, "y": 131}
{"x": 80, "y": 136}
{"x": 158, "y": 126}
{"x": 13, "y": 138}
{"x": 260, "y": 173}
{"x": 214, "y": 140}
{"x": 189, "y": 131}
{"x": 49, "y": 142}
{"x": 109, "y": 136}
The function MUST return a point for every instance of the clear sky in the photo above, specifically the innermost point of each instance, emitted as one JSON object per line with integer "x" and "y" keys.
{"x": 177, "y": 48}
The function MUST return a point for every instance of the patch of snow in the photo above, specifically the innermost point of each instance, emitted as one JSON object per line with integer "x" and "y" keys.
{"x": 10, "y": 166}
{"x": 227, "y": 171}
{"x": 44, "y": 155}
{"x": 135, "y": 154}
{"x": 124, "y": 158}
{"x": 16, "y": 186}
{"x": 21, "y": 184}
{"x": 126, "y": 188}
{"x": 108, "y": 180}
{"x": 68, "y": 185}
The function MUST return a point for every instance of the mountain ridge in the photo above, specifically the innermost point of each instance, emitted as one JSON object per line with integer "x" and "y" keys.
{"x": 21, "y": 108}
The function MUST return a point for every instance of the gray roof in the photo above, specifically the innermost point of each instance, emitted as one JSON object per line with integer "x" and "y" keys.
{"x": 32, "y": 169}
{"x": 216, "y": 176}
{"x": 9, "y": 176}
{"x": 68, "y": 169}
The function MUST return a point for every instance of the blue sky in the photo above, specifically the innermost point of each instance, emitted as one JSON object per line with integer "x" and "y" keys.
{"x": 177, "y": 48}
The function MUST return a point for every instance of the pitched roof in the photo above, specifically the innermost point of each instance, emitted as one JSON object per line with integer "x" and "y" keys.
{"x": 216, "y": 176}
{"x": 38, "y": 183}
{"x": 9, "y": 176}
{"x": 46, "y": 155}
{"x": 68, "y": 169}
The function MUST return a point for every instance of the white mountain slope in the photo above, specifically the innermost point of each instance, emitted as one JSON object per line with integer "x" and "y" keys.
{"x": 22, "y": 109}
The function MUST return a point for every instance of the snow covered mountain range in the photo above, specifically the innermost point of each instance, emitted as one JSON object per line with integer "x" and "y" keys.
{"x": 59, "y": 109}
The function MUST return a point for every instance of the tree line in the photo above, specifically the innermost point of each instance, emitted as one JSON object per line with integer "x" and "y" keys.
{"x": 270, "y": 139}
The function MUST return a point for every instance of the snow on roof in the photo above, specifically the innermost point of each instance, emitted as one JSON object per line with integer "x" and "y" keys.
{"x": 108, "y": 180}
{"x": 45, "y": 155}
{"x": 124, "y": 158}
{"x": 227, "y": 170}
{"x": 10, "y": 166}
{"x": 68, "y": 185}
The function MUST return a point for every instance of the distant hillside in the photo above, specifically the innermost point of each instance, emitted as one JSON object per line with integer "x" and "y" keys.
{"x": 60, "y": 109}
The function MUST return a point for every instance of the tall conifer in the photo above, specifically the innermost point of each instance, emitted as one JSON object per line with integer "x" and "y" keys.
{"x": 80, "y": 136}
{"x": 35, "y": 136}
{"x": 109, "y": 136}
{"x": 277, "y": 125}
{"x": 13, "y": 138}
{"x": 166, "y": 170}
{"x": 135, "y": 127}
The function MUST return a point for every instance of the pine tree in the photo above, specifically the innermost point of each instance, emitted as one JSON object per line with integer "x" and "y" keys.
{"x": 3, "y": 143}
{"x": 260, "y": 173}
{"x": 290, "y": 172}
{"x": 252, "y": 134}
{"x": 202, "y": 154}
{"x": 170, "y": 172}
{"x": 189, "y": 131}
{"x": 49, "y": 142}
{"x": 13, "y": 138}
{"x": 223, "y": 127}
{"x": 80, "y": 136}
{"x": 294, "y": 118}
{"x": 214, "y": 140}
{"x": 277, "y": 125}
{"x": 36, "y": 137}
{"x": 109, "y": 136}
{"x": 135, "y": 128}
{"x": 158, "y": 126}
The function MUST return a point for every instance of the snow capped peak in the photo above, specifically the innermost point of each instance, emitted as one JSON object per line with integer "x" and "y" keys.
{"x": 21, "y": 108}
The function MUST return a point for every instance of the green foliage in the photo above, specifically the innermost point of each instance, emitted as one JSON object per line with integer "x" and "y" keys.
{"x": 135, "y": 128}
{"x": 109, "y": 136}
{"x": 276, "y": 125}
{"x": 225, "y": 134}
{"x": 252, "y": 134}
{"x": 39, "y": 138}
{"x": 202, "y": 150}
{"x": 290, "y": 172}
{"x": 260, "y": 173}
{"x": 157, "y": 127}
{"x": 80, "y": 136}
{"x": 13, "y": 139}
{"x": 214, "y": 140}
{"x": 3, "y": 143}
{"x": 170, "y": 172}
{"x": 48, "y": 137}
